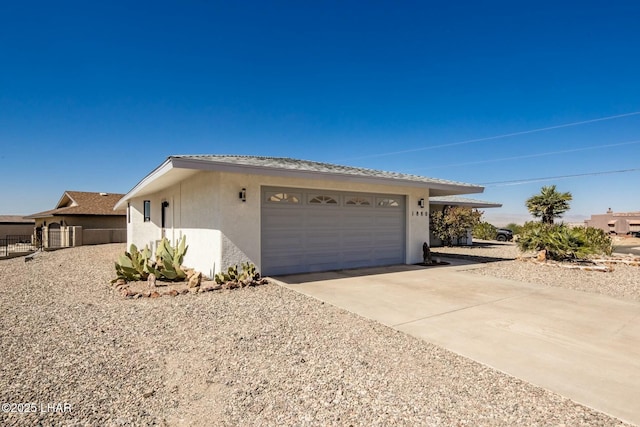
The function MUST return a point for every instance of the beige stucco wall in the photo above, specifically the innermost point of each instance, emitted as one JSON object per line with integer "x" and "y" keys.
{"x": 16, "y": 230}
{"x": 86, "y": 221}
{"x": 619, "y": 223}
{"x": 222, "y": 230}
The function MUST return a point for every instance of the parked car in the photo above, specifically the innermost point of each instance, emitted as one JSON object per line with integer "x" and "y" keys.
{"x": 634, "y": 233}
{"x": 504, "y": 235}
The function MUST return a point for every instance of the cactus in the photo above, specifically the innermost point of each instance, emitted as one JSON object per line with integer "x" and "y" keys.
{"x": 137, "y": 265}
{"x": 247, "y": 277}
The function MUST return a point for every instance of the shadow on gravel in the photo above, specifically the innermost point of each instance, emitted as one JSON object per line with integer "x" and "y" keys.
{"x": 473, "y": 258}
{"x": 484, "y": 245}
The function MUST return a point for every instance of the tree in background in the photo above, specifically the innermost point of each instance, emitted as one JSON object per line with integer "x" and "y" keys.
{"x": 549, "y": 204}
{"x": 453, "y": 223}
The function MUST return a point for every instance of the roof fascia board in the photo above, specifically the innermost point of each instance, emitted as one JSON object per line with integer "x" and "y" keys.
{"x": 470, "y": 204}
{"x": 161, "y": 170}
{"x": 271, "y": 171}
{"x": 65, "y": 196}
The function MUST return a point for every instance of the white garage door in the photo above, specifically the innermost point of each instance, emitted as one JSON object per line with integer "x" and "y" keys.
{"x": 313, "y": 230}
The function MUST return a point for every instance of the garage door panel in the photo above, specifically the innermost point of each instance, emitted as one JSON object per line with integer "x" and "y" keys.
{"x": 315, "y": 237}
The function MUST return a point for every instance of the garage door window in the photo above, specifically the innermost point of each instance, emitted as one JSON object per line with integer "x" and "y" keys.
{"x": 386, "y": 202}
{"x": 358, "y": 201}
{"x": 283, "y": 197}
{"x": 323, "y": 200}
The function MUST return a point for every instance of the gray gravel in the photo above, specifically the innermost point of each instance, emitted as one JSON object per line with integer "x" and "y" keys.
{"x": 255, "y": 356}
{"x": 622, "y": 282}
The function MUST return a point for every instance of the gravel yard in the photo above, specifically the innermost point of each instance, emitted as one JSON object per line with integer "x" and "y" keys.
{"x": 622, "y": 282}
{"x": 254, "y": 356}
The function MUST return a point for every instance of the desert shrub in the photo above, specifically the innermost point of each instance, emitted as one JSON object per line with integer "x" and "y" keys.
{"x": 484, "y": 231}
{"x": 452, "y": 223}
{"x": 562, "y": 242}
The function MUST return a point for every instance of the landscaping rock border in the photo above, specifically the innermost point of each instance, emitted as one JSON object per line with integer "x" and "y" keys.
{"x": 153, "y": 289}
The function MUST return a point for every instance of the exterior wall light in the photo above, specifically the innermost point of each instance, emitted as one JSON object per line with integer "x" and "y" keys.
{"x": 243, "y": 195}
{"x": 421, "y": 203}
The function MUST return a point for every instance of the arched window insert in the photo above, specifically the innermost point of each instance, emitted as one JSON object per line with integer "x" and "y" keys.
{"x": 358, "y": 201}
{"x": 387, "y": 202}
{"x": 283, "y": 198}
{"x": 323, "y": 200}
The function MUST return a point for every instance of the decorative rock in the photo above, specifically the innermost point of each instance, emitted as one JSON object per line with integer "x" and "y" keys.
{"x": 542, "y": 256}
{"x": 154, "y": 294}
{"x": 195, "y": 280}
{"x": 151, "y": 280}
{"x": 172, "y": 292}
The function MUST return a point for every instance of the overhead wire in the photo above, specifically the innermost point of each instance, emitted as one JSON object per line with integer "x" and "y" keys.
{"x": 528, "y": 156}
{"x": 506, "y": 135}
{"x": 530, "y": 180}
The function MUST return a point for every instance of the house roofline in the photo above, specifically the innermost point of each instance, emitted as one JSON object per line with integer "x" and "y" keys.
{"x": 195, "y": 164}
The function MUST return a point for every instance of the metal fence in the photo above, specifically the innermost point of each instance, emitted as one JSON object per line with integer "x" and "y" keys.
{"x": 22, "y": 244}
{"x": 58, "y": 238}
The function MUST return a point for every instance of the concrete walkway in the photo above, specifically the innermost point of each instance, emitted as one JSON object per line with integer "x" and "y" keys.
{"x": 583, "y": 346}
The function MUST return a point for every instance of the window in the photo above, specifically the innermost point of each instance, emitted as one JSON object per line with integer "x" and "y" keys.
{"x": 128, "y": 213}
{"x": 323, "y": 200}
{"x": 283, "y": 198}
{"x": 358, "y": 201}
{"x": 388, "y": 202}
{"x": 147, "y": 210}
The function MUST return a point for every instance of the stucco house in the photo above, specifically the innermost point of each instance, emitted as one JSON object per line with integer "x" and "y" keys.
{"x": 81, "y": 218}
{"x": 619, "y": 223}
{"x": 284, "y": 215}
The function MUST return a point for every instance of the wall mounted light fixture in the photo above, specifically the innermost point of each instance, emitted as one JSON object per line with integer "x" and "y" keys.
{"x": 243, "y": 195}
{"x": 165, "y": 204}
{"x": 421, "y": 203}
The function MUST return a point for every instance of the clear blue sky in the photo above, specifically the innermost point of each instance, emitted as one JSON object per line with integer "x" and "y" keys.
{"x": 94, "y": 95}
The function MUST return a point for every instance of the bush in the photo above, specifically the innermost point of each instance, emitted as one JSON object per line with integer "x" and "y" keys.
{"x": 484, "y": 231}
{"x": 452, "y": 223}
{"x": 517, "y": 229}
{"x": 562, "y": 242}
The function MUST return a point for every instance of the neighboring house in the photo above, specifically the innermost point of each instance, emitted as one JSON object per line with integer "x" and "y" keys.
{"x": 439, "y": 203}
{"x": 284, "y": 215}
{"x": 619, "y": 223}
{"x": 81, "y": 218}
{"x": 15, "y": 225}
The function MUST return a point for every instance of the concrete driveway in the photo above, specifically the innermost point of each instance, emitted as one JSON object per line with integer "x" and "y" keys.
{"x": 583, "y": 346}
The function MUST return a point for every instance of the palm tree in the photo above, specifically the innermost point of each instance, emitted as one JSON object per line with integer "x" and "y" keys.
{"x": 549, "y": 204}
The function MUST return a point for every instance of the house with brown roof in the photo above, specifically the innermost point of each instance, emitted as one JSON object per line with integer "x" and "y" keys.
{"x": 81, "y": 218}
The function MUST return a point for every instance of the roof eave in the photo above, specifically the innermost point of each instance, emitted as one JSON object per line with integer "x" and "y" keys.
{"x": 161, "y": 170}
{"x": 201, "y": 164}
{"x": 178, "y": 162}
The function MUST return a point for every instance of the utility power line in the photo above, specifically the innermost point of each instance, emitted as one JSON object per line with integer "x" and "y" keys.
{"x": 528, "y": 156}
{"x": 530, "y": 180}
{"x": 506, "y": 135}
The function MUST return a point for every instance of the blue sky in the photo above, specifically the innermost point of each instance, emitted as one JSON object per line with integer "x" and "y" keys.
{"x": 94, "y": 96}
